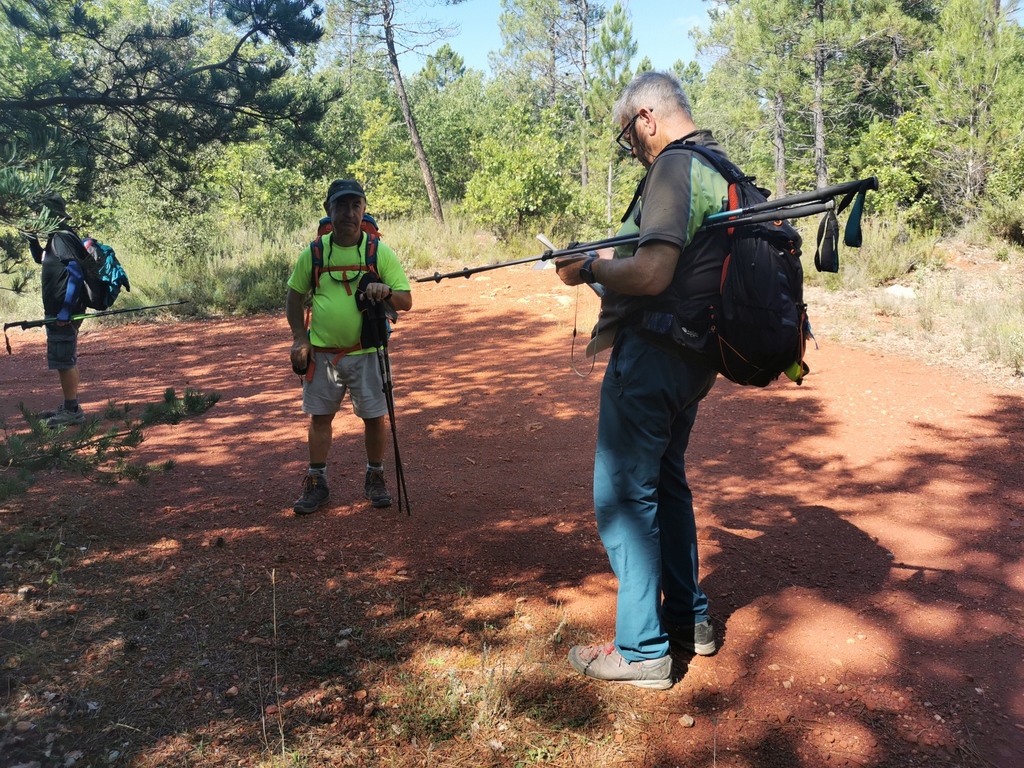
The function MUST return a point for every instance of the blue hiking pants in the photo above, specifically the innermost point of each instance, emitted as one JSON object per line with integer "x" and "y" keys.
{"x": 644, "y": 506}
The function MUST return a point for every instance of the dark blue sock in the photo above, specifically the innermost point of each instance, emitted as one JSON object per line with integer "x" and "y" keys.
{"x": 71, "y": 405}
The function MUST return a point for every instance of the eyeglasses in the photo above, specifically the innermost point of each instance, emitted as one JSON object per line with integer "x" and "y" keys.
{"x": 621, "y": 139}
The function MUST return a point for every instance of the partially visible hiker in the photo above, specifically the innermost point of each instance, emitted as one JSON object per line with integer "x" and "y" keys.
{"x": 63, "y": 283}
{"x": 330, "y": 354}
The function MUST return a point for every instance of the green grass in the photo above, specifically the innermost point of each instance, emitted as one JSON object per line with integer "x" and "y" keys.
{"x": 890, "y": 253}
{"x": 242, "y": 272}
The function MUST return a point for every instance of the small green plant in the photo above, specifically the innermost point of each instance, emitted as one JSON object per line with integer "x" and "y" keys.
{"x": 99, "y": 449}
{"x": 172, "y": 410}
{"x": 433, "y": 706}
{"x": 55, "y": 561}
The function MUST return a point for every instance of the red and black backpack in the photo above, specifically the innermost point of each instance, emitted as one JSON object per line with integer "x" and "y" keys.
{"x": 370, "y": 334}
{"x": 369, "y": 226}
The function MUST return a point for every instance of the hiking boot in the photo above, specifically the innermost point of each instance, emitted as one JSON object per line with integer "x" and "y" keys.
{"x": 315, "y": 494}
{"x": 62, "y": 417}
{"x": 376, "y": 488}
{"x": 603, "y": 662}
{"x": 695, "y": 638}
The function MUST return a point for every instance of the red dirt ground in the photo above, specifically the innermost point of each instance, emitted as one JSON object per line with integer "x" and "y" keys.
{"x": 861, "y": 534}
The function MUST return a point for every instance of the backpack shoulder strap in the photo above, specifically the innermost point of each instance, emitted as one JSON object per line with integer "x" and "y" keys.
{"x": 729, "y": 170}
{"x": 371, "y": 252}
{"x": 316, "y": 248}
{"x": 636, "y": 196}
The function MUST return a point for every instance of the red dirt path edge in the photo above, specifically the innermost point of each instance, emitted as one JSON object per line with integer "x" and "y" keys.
{"x": 861, "y": 534}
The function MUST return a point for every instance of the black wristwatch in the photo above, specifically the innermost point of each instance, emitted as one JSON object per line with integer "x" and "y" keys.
{"x": 587, "y": 270}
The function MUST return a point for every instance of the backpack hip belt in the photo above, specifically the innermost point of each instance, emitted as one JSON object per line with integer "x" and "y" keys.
{"x": 338, "y": 352}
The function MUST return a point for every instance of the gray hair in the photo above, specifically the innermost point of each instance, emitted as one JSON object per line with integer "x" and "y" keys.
{"x": 657, "y": 91}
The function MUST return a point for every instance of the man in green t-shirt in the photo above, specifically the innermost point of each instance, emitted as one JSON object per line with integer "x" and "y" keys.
{"x": 330, "y": 352}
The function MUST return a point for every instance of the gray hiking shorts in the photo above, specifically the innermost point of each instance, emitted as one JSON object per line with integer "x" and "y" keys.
{"x": 61, "y": 346}
{"x": 359, "y": 375}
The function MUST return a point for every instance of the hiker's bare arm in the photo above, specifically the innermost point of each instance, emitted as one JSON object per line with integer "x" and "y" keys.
{"x": 296, "y": 314}
{"x": 647, "y": 273}
{"x": 401, "y": 300}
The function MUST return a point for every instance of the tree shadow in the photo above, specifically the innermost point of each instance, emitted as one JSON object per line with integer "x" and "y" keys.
{"x": 497, "y": 436}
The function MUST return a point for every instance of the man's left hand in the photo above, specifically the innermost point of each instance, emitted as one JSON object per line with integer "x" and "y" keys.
{"x": 568, "y": 269}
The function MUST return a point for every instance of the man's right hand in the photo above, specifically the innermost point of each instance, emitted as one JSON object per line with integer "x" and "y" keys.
{"x": 301, "y": 350}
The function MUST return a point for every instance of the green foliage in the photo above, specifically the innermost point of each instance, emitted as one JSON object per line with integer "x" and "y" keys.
{"x": 519, "y": 179}
{"x": 443, "y": 68}
{"x": 384, "y": 164}
{"x": 899, "y": 153}
{"x": 974, "y": 92}
{"x": 132, "y": 89}
{"x": 1004, "y": 218}
{"x": 892, "y": 250}
{"x": 450, "y": 119}
{"x": 612, "y": 55}
{"x": 421, "y": 243}
{"x": 173, "y": 409}
{"x": 256, "y": 192}
{"x": 100, "y": 449}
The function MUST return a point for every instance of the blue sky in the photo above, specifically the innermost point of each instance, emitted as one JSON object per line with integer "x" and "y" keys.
{"x": 660, "y": 28}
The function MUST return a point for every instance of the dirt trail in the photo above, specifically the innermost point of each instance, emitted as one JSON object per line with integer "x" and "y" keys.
{"x": 861, "y": 534}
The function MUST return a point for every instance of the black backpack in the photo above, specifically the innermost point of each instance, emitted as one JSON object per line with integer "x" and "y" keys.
{"x": 757, "y": 327}
{"x": 104, "y": 275}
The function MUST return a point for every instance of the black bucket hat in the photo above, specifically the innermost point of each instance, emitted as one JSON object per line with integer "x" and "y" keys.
{"x": 56, "y": 205}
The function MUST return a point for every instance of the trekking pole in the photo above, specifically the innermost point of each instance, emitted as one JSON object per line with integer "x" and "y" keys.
{"x": 791, "y": 207}
{"x": 376, "y": 314}
{"x": 815, "y": 195}
{"x": 571, "y": 250}
{"x": 25, "y": 324}
{"x": 384, "y": 362}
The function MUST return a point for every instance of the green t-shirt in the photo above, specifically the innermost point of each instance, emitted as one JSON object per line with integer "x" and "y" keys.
{"x": 336, "y": 321}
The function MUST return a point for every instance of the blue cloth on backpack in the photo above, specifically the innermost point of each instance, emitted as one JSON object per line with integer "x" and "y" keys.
{"x": 76, "y": 280}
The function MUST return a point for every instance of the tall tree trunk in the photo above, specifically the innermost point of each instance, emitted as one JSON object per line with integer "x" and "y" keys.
{"x": 387, "y": 13}
{"x": 779, "y": 144}
{"x": 584, "y": 16}
{"x": 820, "y": 166}
{"x": 611, "y": 230}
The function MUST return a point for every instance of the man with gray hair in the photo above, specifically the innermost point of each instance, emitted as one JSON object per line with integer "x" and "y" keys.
{"x": 651, "y": 388}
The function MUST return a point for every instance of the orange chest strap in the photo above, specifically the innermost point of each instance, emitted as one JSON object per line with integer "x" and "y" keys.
{"x": 345, "y": 269}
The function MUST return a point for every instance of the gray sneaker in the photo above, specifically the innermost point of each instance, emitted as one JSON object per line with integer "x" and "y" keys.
{"x": 315, "y": 494}
{"x": 376, "y": 488}
{"x": 603, "y": 662}
{"x": 62, "y": 417}
{"x": 695, "y": 638}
